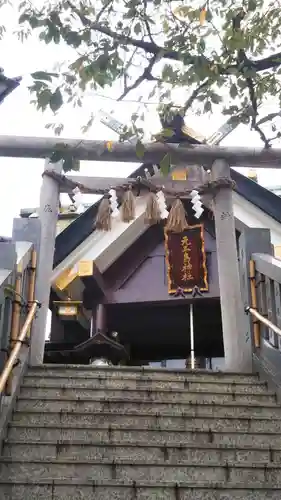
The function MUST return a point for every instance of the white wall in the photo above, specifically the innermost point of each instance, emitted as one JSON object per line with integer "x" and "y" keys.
{"x": 253, "y": 216}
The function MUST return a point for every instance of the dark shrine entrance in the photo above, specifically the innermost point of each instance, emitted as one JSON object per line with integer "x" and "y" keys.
{"x": 156, "y": 332}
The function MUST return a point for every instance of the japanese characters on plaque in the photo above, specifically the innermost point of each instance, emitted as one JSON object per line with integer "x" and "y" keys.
{"x": 187, "y": 265}
{"x": 186, "y": 259}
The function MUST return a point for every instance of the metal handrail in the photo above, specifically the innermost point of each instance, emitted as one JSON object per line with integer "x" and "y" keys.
{"x": 263, "y": 320}
{"x": 18, "y": 343}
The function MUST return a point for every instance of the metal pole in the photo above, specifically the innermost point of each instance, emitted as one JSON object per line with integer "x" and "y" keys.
{"x": 263, "y": 320}
{"x": 191, "y": 323}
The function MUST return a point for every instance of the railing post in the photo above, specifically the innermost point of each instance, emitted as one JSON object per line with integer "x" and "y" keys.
{"x": 229, "y": 282}
{"x": 252, "y": 240}
{"x": 48, "y": 215}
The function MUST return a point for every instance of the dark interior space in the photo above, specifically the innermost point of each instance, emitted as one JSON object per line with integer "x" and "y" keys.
{"x": 157, "y": 332}
{"x": 152, "y": 332}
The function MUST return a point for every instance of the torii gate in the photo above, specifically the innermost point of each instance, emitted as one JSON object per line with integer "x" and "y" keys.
{"x": 238, "y": 354}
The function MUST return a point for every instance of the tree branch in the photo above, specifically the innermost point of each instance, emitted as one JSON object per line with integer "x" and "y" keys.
{"x": 273, "y": 61}
{"x": 146, "y": 22}
{"x": 152, "y": 48}
{"x": 243, "y": 64}
{"x": 195, "y": 94}
{"x": 254, "y": 124}
{"x": 268, "y": 118}
{"x": 269, "y": 62}
{"x": 146, "y": 75}
{"x": 103, "y": 9}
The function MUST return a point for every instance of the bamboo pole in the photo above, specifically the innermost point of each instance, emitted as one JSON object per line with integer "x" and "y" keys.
{"x": 15, "y": 352}
{"x": 256, "y": 324}
{"x": 42, "y": 147}
{"x": 16, "y": 309}
{"x": 15, "y": 324}
{"x": 31, "y": 284}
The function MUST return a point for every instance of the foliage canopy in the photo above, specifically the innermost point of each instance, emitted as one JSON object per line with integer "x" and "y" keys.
{"x": 231, "y": 60}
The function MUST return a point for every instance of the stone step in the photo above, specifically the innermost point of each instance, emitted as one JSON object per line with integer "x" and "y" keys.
{"x": 147, "y": 395}
{"x": 88, "y": 371}
{"x": 32, "y": 470}
{"x": 189, "y": 384}
{"x": 17, "y": 432}
{"x": 169, "y": 422}
{"x": 124, "y": 406}
{"x": 129, "y": 452}
{"x": 94, "y": 490}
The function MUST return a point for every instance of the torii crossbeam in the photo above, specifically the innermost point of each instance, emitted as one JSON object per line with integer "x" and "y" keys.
{"x": 42, "y": 147}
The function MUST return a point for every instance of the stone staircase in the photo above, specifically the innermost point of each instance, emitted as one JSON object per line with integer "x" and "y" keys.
{"x": 80, "y": 433}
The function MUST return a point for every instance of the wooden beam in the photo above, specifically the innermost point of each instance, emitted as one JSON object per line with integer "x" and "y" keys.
{"x": 89, "y": 271}
{"x": 99, "y": 279}
{"x": 42, "y": 147}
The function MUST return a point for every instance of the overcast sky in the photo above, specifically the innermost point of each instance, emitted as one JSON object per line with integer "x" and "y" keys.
{"x": 21, "y": 179}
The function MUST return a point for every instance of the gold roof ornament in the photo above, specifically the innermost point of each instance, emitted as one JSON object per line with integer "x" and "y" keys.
{"x": 252, "y": 174}
{"x": 176, "y": 131}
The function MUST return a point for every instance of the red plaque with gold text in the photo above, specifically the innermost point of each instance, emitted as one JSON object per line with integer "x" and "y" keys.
{"x": 186, "y": 259}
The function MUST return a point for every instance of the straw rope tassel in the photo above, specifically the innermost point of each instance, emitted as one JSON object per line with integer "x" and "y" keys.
{"x": 152, "y": 213}
{"x": 176, "y": 221}
{"x": 103, "y": 219}
{"x": 128, "y": 208}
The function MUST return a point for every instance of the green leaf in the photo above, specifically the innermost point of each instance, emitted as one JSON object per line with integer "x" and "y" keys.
{"x": 233, "y": 91}
{"x": 137, "y": 28}
{"x": 140, "y": 150}
{"x": 252, "y": 5}
{"x": 70, "y": 163}
{"x": 202, "y": 44}
{"x": 43, "y": 99}
{"x": 43, "y": 75}
{"x": 207, "y": 106}
{"x": 73, "y": 38}
{"x": 166, "y": 27}
{"x": 56, "y": 100}
{"x": 23, "y": 18}
{"x": 58, "y": 129}
{"x": 215, "y": 98}
{"x": 167, "y": 132}
{"x": 56, "y": 156}
{"x": 76, "y": 165}
{"x": 165, "y": 164}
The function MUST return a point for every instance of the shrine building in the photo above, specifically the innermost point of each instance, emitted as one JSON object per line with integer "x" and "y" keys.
{"x": 126, "y": 293}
